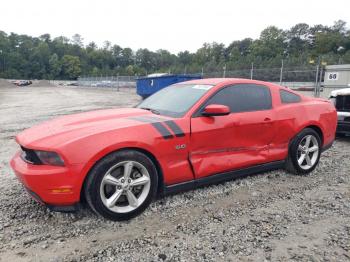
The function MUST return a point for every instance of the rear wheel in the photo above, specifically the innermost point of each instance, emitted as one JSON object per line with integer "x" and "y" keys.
{"x": 304, "y": 152}
{"x": 121, "y": 185}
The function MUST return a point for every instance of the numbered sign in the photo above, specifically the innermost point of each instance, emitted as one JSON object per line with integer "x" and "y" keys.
{"x": 332, "y": 75}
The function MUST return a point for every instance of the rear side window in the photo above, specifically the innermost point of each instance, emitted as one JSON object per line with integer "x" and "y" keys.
{"x": 243, "y": 98}
{"x": 288, "y": 97}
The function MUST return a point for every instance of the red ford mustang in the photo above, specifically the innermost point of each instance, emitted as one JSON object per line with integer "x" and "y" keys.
{"x": 187, "y": 135}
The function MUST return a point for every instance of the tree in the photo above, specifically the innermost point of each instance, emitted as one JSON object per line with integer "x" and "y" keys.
{"x": 270, "y": 44}
{"x": 55, "y": 66}
{"x": 77, "y": 40}
{"x": 298, "y": 38}
{"x": 71, "y": 67}
{"x": 107, "y": 45}
{"x": 130, "y": 70}
{"x": 46, "y": 38}
{"x": 23, "y": 56}
{"x": 91, "y": 46}
{"x": 126, "y": 57}
{"x": 185, "y": 57}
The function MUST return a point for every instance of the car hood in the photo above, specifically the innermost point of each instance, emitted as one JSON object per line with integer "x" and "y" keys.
{"x": 340, "y": 92}
{"x": 72, "y": 127}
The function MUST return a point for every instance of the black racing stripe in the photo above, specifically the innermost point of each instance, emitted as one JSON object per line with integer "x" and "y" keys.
{"x": 175, "y": 128}
{"x": 162, "y": 130}
{"x": 156, "y": 123}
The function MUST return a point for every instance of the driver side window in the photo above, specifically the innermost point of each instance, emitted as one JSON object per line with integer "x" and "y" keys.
{"x": 243, "y": 98}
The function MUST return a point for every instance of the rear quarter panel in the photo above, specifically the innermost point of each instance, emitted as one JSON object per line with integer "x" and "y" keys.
{"x": 294, "y": 117}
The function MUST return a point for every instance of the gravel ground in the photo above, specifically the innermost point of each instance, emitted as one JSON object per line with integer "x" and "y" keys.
{"x": 272, "y": 216}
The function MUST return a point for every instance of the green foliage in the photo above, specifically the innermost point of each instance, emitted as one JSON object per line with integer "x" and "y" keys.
{"x": 55, "y": 66}
{"x": 23, "y": 56}
{"x": 71, "y": 66}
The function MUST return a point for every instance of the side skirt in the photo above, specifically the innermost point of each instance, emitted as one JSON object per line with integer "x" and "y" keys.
{"x": 222, "y": 177}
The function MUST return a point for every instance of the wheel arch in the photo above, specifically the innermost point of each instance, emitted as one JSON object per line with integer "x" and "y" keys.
{"x": 312, "y": 126}
{"x": 291, "y": 165}
{"x": 141, "y": 150}
{"x": 318, "y": 130}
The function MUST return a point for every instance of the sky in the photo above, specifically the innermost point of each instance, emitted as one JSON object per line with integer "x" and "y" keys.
{"x": 159, "y": 24}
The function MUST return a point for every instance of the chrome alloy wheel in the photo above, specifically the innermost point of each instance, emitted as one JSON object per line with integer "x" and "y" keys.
{"x": 308, "y": 152}
{"x": 125, "y": 186}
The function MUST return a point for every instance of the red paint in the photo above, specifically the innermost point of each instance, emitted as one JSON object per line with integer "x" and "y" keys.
{"x": 213, "y": 143}
{"x": 228, "y": 142}
{"x": 216, "y": 110}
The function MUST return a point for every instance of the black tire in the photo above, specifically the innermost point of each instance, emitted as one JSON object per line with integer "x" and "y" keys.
{"x": 292, "y": 165}
{"x": 93, "y": 183}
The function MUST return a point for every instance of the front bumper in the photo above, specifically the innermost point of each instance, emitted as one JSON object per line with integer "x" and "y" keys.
{"x": 343, "y": 127}
{"x": 55, "y": 186}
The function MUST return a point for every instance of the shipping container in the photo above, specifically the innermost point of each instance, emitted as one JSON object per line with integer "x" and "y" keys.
{"x": 147, "y": 86}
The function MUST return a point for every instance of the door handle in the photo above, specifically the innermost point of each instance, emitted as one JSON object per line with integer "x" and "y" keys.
{"x": 267, "y": 119}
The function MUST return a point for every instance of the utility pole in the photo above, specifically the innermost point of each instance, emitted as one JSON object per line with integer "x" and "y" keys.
{"x": 316, "y": 80}
{"x": 202, "y": 72}
{"x": 118, "y": 82}
{"x": 281, "y": 73}
{"x": 3, "y": 61}
{"x": 251, "y": 71}
{"x": 319, "y": 82}
{"x": 224, "y": 74}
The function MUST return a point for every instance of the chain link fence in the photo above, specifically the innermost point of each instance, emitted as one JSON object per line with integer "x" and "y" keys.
{"x": 303, "y": 79}
{"x": 269, "y": 74}
{"x": 108, "y": 81}
{"x": 307, "y": 80}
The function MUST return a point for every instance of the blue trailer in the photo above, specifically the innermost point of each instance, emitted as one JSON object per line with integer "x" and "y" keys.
{"x": 147, "y": 86}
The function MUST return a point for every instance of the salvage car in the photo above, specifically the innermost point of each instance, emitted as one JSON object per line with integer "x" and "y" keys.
{"x": 22, "y": 82}
{"x": 341, "y": 101}
{"x": 185, "y": 136}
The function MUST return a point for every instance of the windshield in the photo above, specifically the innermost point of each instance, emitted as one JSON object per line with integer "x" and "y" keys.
{"x": 174, "y": 100}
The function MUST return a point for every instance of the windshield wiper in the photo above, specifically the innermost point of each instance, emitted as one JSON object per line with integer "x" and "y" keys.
{"x": 154, "y": 111}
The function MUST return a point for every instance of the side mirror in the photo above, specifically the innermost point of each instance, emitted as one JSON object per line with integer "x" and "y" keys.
{"x": 216, "y": 110}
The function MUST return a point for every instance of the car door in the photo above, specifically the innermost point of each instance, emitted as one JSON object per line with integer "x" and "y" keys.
{"x": 237, "y": 140}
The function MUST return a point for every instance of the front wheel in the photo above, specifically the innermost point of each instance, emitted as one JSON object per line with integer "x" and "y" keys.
{"x": 121, "y": 185}
{"x": 304, "y": 152}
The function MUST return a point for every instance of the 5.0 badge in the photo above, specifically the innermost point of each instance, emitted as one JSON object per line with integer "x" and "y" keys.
{"x": 182, "y": 146}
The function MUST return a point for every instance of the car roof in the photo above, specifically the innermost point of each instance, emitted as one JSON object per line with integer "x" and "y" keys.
{"x": 230, "y": 81}
{"x": 223, "y": 81}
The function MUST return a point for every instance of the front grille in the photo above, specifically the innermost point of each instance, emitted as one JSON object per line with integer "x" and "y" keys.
{"x": 343, "y": 103}
{"x": 29, "y": 155}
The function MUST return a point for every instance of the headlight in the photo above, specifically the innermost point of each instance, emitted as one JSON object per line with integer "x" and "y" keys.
{"x": 49, "y": 158}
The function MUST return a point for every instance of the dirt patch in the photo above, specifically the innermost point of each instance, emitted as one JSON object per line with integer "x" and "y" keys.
{"x": 5, "y": 83}
{"x": 41, "y": 83}
{"x": 35, "y": 83}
